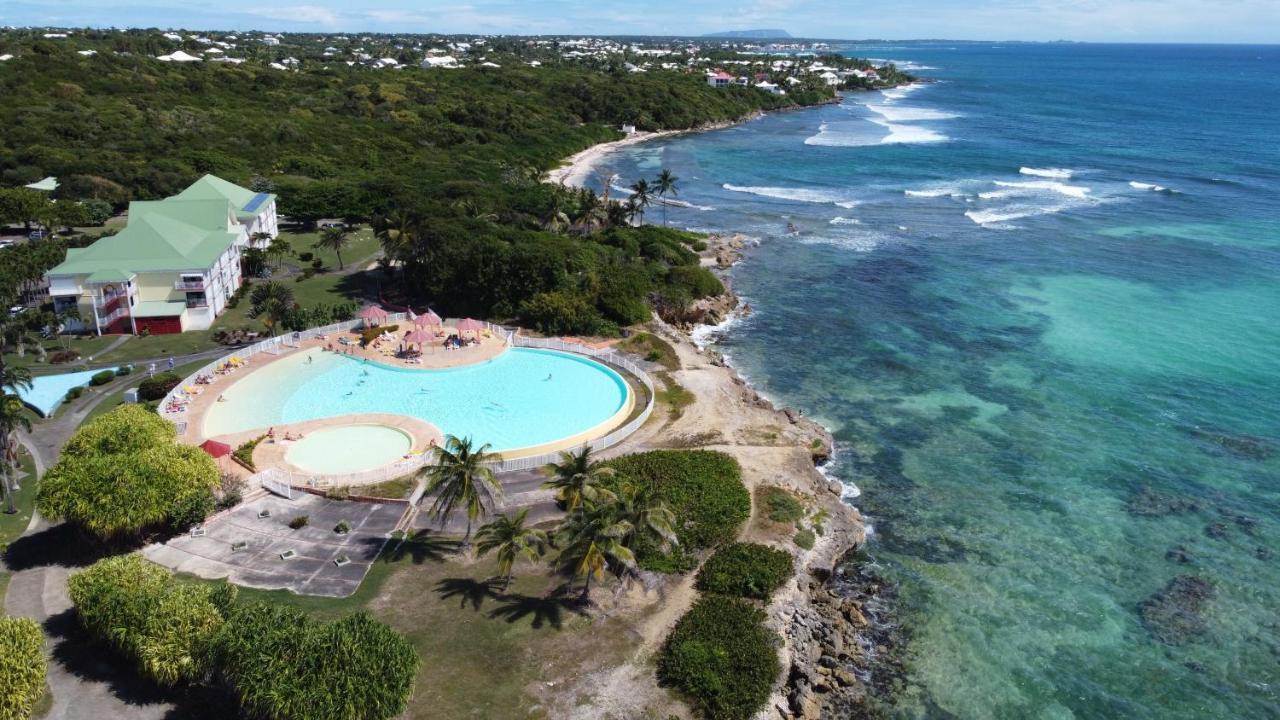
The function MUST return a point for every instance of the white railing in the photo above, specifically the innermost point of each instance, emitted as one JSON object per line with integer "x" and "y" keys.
{"x": 276, "y": 345}
{"x": 272, "y": 481}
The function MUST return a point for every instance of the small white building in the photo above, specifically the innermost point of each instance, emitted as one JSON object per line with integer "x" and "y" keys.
{"x": 178, "y": 56}
{"x": 771, "y": 88}
{"x": 270, "y": 40}
{"x": 439, "y": 61}
{"x": 719, "y": 78}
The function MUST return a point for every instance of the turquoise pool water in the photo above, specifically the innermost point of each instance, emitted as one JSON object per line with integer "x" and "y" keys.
{"x": 48, "y": 391}
{"x": 349, "y": 449}
{"x": 521, "y": 398}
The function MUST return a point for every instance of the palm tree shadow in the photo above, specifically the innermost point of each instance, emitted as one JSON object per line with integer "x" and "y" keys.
{"x": 469, "y": 590}
{"x": 540, "y": 611}
{"x": 420, "y": 547}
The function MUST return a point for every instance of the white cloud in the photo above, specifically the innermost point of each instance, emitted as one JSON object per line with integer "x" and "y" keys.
{"x": 314, "y": 14}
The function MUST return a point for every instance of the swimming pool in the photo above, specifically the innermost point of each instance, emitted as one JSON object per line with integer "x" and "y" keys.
{"x": 349, "y": 449}
{"x": 48, "y": 391}
{"x": 520, "y": 399}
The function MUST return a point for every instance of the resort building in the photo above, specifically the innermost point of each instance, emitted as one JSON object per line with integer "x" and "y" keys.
{"x": 172, "y": 268}
{"x": 720, "y": 78}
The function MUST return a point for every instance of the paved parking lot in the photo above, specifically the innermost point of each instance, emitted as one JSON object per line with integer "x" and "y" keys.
{"x": 311, "y": 569}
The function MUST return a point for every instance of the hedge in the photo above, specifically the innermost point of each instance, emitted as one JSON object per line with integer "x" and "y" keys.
{"x": 369, "y": 334}
{"x": 159, "y": 385}
{"x": 22, "y": 667}
{"x": 745, "y": 570}
{"x": 124, "y": 473}
{"x": 162, "y": 625}
{"x": 722, "y": 657}
{"x": 702, "y": 487}
{"x": 285, "y": 666}
{"x": 102, "y": 378}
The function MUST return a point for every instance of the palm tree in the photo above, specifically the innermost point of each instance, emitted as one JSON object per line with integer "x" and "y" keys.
{"x": 591, "y": 542}
{"x": 12, "y": 418}
{"x": 648, "y": 516}
{"x": 642, "y": 194}
{"x": 617, "y": 214}
{"x": 666, "y": 185}
{"x": 576, "y": 479}
{"x": 279, "y": 249}
{"x": 459, "y": 477}
{"x": 259, "y": 239}
{"x": 271, "y": 301}
{"x": 334, "y": 238}
{"x": 512, "y": 541}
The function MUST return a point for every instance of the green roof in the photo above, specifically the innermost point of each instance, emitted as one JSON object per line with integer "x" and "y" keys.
{"x": 108, "y": 275}
{"x": 210, "y": 187}
{"x": 161, "y": 236}
{"x": 158, "y": 309}
{"x": 48, "y": 184}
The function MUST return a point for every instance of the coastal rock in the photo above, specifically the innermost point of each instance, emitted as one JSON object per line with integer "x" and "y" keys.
{"x": 1217, "y": 531}
{"x": 1174, "y": 615}
{"x": 1149, "y": 503}
{"x": 1179, "y": 554}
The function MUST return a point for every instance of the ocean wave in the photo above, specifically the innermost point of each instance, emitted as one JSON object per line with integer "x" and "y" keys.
{"x": 860, "y": 242}
{"x": 1018, "y": 188}
{"x": 901, "y": 113}
{"x": 1058, "y": 173}
{"x": 900, "y": 92}
{"x": 795, "y": 194}
{"x": 935, "y": 192}
{"x": 908, "y": 134}
{"x": 995, "y": 216}
{"x": 1150, "y": 186}
{"x": 844, "y": 221}
{"x": 656, "y": 200}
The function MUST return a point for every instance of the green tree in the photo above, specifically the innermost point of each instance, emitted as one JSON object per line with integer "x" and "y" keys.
{"x": 460, "y": 477}
{"x": 279, "y": 249}
{"x": 271, "y": 302}
{"x": 336, "y": 239}
{"x": 591, "y": 542}
{"x": 651, "y": 519}
{"x": 666, "y": 186}
{"x": 577, "y": 479}
{"x": 512, "y": 540}
{"x": 642, "y": 195}
{"x": 13, "y": 417}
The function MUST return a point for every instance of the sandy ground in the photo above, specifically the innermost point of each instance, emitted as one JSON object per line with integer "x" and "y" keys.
{"x": 577, "y": 169}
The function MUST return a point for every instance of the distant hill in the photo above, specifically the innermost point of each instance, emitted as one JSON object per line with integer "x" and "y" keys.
{"x": 752, "y": 34}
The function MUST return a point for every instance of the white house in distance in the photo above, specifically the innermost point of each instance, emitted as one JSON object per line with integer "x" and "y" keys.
{"x": 174, "y": 265}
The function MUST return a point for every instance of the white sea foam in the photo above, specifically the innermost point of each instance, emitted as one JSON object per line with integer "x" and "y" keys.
{"x": 909, "y": 134}
{"x": 1018, "y": 188}
{"x": 900, "y": 92}
{"x": 1149, "y": 186}
{"x": 657, "y": 200}
{"x": 860, "y": 242}
{"x": 993, "y": 217}
{"x": 844, "y": 221}
{"x": 1059, "y": 173}
{"x": 934, "y": 192}
{"x": 901, "y": 113}
{"x": 796, "y": 194}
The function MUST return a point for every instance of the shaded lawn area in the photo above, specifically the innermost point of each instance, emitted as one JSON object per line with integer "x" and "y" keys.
{"x": 12, "y": 526}
{"x": 480, "y": 647}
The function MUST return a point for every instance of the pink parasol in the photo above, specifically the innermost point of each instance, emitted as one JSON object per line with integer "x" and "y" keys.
{"x": 373, "y": 315}
{"x": 427, "y": 319}
{"x": 417, "y": 337}
{"x": 469, "y": 325}
{"x": 215, "y": 448}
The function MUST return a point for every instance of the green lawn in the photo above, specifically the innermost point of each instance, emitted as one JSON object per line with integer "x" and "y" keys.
{"x": 481, "y": 648}
{"x": 12, "y": 526}
{"x": 359, "y": 251}
{"x": 116, "y": 396}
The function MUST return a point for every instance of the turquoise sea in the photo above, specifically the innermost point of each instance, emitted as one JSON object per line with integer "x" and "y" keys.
{"x": 1038, "y": 303}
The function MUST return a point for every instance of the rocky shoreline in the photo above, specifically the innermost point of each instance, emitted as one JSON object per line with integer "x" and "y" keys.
{"x": 842, "y": 642}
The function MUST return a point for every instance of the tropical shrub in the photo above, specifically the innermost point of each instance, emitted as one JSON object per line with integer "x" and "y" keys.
{"x": 781, "y": 506}
{"x": 745, "y": 570}
{"x": 722, "y": 657}
{"x": 702, "y": 487}
{"x": 74, "y": 393}
{"x": 368, "y": 335}
{"x": 22, "y": 667}
{"x": 158, "y": 385}
{"x": 103, "y": 378}
{"x": 805, "y": 539}
{"x": 64, "y": 356}
{"x": 123, "y": 473}
{"x": 139, "y": 608}
{"x": 124, "y": 370}
{"x": 283, "y": 665}
{"x": 299, "y": 522}
{"x": 244, "y": 453}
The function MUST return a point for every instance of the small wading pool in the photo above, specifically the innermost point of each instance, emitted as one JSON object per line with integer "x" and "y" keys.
{"x": 349, "y": 449}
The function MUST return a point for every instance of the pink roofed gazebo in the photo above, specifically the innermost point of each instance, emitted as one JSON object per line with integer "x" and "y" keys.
{"x": 470, "y": 325}
{"x": 417, "y": 337}
{"x": 428, "y": 319}
{"x": 373, "y": 315}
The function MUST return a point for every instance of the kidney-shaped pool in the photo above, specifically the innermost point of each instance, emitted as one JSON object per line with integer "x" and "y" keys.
{"x": 520, "y": 399}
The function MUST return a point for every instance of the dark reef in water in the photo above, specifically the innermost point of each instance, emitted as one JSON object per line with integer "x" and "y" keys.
{"x": 1175, "y": 615}
{"x": 1149, "y": 503}
{"x": 1249, "y": 447}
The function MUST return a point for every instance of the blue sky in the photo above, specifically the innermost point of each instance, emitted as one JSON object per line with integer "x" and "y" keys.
{"x": 1099, "y": 20}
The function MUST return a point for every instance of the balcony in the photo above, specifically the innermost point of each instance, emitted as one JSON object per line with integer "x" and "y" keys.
{"x": 197, "y": 303}
{"x": 105, "y": 320}
{"x": 189, "y": 285}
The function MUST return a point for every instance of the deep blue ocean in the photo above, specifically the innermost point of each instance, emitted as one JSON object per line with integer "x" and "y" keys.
{"x": 1037, "y": 300}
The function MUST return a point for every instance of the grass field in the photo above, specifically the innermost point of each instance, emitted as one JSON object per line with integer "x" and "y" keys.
{"x": 481, "y": 648}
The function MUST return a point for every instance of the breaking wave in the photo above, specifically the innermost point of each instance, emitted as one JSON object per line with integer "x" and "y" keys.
{"x": 1057, "y": 173}
{"x": 795, "y": 194}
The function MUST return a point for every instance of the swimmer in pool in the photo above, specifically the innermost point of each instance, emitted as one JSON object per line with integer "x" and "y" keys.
{"x": 547, "y": 378}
